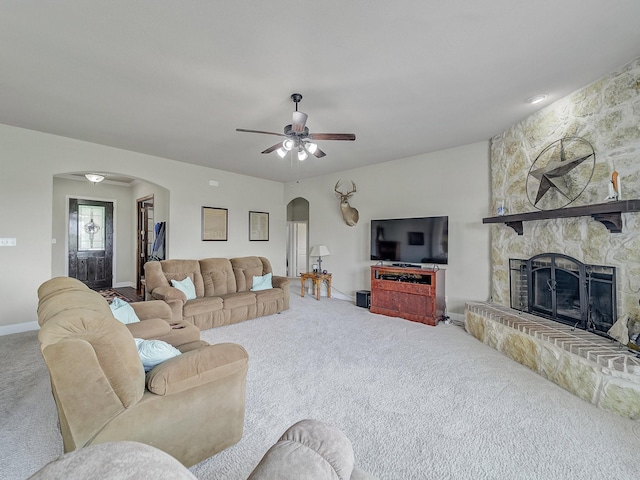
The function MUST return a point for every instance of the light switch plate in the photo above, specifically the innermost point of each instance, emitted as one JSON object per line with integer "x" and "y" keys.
{"x": 7, "y": 242}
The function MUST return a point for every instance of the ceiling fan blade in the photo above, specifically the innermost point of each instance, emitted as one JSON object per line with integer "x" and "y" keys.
{"x": 259, "y": 131}
{"x": 332, "y": 136}
{"x": 299, "y": 121}
{"x": 272, "y": 148}
{"x": 319, "y": 153}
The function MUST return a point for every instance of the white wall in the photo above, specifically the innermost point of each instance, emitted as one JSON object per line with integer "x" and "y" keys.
{"x": 452, "y": 182}
{"x": 28, "y": 162}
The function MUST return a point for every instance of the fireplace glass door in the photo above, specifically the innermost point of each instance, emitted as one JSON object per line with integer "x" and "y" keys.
{"x": 556, "y": 289}
{"x": 566, "y": 290}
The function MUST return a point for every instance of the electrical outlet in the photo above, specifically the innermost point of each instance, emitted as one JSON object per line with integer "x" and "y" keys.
{"x": 7, "y": 242}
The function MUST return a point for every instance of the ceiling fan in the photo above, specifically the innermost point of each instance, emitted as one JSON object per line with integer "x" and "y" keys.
{"x": 298, "y": 138}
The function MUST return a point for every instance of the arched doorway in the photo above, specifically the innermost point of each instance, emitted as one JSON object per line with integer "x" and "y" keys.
{"x": 124, "y": 192}
{"x": 297, "y": 236}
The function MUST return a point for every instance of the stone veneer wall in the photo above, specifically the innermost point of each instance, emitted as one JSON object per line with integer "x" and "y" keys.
{"x": 607, "y": 114}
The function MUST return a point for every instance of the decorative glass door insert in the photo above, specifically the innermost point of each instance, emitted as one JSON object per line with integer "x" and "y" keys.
{"x": 91, "y": 231}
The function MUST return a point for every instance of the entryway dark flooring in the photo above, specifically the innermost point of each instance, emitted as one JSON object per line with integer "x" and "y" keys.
{"x": 130, "y": 292}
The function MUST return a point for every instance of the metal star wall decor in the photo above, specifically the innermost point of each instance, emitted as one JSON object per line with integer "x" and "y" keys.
{"x": 560, "y": 173}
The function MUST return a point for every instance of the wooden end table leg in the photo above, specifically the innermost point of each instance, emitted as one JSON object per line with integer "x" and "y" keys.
{"x": 318, "y": 283}
{"x": 302, "y": 281}
{"x": 329, "y": 288}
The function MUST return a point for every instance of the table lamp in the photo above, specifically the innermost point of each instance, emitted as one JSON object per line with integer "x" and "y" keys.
{"x": 319, "y": 251}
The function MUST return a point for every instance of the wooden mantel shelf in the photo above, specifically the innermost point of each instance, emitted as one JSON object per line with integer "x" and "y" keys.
{"x": 609, "y": 214}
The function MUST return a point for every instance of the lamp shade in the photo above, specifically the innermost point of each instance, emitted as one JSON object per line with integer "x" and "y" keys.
{"x": 319, "y": 251}
{"x": 288, "y": 144}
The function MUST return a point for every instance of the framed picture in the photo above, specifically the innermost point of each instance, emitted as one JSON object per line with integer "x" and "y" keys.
{"x": 258, "y": 226}
{"x": 214, "y": 224}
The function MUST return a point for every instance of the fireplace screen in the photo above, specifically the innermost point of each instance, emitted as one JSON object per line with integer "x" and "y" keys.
{"x": 563, "y": 289}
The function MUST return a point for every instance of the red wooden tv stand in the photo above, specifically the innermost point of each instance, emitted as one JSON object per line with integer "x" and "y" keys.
{"x": 415, "y": 294}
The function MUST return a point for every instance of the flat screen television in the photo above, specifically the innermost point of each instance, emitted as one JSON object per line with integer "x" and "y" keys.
{"x": 411, "y": 240}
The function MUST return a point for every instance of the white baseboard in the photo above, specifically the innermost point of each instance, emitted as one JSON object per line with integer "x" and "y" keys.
{"x": 340, "y": 295}
{"x": 18, "y": 328}
{"x": 124, "y": 284}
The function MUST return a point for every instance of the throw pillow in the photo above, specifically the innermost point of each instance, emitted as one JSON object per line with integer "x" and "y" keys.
{"x": 154, "y": 352}
{"x": 261, "y": 283}
{"x": 186, "y": 286}
{"x": 123, "y": 311}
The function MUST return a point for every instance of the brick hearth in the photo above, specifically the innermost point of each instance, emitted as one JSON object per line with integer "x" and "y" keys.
{"x": 589, "y": 366}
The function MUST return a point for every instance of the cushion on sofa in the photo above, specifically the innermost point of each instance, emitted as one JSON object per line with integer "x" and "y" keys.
{"x": 244, "y": 269}
{"x": 57, "y": 285}
{"x": 79, "y": 301}
{"x": 218, "y": 276}
{"x": 186, "y": 286}
{"x": 154, "y": 352}
{"x": 196, "y": 367}
{"x": 123, "y": 311}
{"x": 262, "y": 282}
{"x": 202, "y": 305}
{"x": 241, "y": 299}
{"x": 176, "y": 269}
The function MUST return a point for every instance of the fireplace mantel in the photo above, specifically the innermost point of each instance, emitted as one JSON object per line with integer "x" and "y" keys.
{"x": 609, "y": 214}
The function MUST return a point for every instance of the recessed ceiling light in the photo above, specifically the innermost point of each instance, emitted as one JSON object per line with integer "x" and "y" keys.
{"x": 537, "y": 98}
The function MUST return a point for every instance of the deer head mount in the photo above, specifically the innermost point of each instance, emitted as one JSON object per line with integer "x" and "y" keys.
{"x": 349, "y": 214}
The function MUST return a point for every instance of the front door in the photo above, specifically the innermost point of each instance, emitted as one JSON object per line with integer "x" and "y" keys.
{"x": 91, "y": 242}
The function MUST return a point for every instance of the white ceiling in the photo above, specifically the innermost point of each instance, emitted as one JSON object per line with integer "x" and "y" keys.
{"x": 176, "y": 78}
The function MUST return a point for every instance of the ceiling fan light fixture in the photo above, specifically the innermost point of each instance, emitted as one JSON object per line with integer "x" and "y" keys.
{"x": 288, "y": 144}
{"x": 94, "y": 177}
{"x": 297, "y": 136}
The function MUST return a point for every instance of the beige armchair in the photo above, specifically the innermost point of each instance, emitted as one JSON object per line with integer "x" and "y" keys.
{"x": 191, "y": 406}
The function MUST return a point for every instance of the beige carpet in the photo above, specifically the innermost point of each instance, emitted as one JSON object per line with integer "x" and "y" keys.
{"x": 418, "y": 402}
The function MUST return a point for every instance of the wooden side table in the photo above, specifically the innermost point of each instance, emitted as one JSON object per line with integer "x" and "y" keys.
{"x": 316, "y": 280}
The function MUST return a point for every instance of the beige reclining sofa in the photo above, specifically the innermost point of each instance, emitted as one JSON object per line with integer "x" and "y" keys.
{"x": 190, "y": 406}
{"x": 223, "y": 289}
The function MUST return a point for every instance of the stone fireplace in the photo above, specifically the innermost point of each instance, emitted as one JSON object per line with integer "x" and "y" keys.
{"x": 563, "y": 289}
{"x": 551, "y": 312}
{"x": 606, "y": 114}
